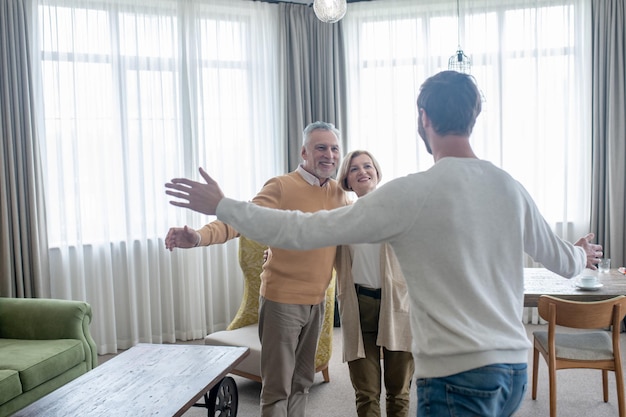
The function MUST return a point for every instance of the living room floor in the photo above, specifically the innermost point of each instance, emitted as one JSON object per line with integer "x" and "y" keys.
{"x": 579, "y": 390}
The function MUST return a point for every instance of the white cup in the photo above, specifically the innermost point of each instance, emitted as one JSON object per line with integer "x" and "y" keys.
{"x": 605, "y": 265}
{"x": 588, "y": 281}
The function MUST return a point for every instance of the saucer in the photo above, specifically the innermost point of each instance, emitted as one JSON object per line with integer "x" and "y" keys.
{"x": 595, "y": 287}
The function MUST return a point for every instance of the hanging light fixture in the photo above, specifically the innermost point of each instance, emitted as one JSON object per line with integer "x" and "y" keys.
{"x": 459, "y": 61}
{"x": 330, "y": 11}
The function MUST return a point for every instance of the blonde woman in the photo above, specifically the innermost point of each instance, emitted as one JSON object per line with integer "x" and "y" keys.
{"x": 374, "y": 308}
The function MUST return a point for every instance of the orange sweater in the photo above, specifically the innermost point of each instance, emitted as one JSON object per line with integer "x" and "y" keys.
{"x": 289, "y": 276}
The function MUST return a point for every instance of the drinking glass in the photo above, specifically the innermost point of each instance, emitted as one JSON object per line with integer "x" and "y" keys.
{"x": 605, "y": 265}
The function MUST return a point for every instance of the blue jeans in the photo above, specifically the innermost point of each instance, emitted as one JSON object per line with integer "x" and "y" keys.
{"x": 491, "y": 391}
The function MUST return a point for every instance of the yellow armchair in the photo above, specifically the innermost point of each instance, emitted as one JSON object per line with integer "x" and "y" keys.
{"x": 243, "y": 329}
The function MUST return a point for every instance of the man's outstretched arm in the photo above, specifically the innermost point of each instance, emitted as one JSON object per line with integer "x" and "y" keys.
{"x": 197, "y": 196}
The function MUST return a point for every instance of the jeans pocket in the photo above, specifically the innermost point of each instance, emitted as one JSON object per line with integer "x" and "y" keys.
{"x": 463, "y": 401}
{"x": 514, "y": 403}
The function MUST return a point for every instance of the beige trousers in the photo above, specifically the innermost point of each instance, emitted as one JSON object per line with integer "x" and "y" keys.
{"x": 289, "y": 334}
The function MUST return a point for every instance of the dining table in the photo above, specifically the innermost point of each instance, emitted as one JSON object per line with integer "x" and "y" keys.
{"x": 540, "y": 281}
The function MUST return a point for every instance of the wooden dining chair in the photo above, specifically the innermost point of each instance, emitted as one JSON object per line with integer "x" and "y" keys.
{"x": 593, "y": 348}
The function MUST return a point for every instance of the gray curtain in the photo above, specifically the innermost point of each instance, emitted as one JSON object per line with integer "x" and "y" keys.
{"x": 608, "y": 216}
{"x": 314, "y": 74}
{"x": 23, "y": 240}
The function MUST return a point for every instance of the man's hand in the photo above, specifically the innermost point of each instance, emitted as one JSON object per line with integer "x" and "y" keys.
{"x": 593, "y": 251}
{"x": 199, "y": 197}
{"x": 181, "y": 237}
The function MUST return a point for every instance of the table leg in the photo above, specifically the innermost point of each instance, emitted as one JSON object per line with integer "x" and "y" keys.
{"x": 221, "y": 400}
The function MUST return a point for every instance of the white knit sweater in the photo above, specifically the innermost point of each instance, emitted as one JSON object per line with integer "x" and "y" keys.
{"x": 459, "y": 231}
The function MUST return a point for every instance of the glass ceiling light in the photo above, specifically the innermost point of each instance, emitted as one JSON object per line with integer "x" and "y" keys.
{"x": 330, "y": 11}
{"x": 459, "y": 61}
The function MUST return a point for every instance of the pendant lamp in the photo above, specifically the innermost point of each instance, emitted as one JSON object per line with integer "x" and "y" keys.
{"x": 459, "y": 61}
{"x": 330, "y": 11}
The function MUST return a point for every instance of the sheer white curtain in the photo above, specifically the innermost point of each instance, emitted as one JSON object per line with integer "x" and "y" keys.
{"x": 531, "y": 59}
{"x": 134, "y": 93}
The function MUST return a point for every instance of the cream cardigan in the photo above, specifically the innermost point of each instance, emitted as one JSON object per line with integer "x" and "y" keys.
{"x": 394, "y": 331}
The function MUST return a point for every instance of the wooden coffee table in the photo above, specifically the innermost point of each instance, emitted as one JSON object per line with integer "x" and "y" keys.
{"x": 149, "y": 380}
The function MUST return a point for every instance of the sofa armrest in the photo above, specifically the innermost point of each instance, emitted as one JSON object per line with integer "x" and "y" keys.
{"x": 43, "y": 318}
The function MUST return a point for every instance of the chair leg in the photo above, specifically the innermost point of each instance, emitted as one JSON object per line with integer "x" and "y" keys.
{"x": 535, "y": 368}
{"x": 326, "y": 375}
{"x": 552, "y": 379}
{"x": 619, "y": 382}
{"x": 605, "y": 385}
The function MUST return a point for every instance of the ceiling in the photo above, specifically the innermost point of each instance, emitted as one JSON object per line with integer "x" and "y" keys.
{"x": 302, "y": 1}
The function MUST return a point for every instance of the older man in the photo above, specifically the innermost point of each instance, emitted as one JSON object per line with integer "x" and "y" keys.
{"x": 293, "y": 283}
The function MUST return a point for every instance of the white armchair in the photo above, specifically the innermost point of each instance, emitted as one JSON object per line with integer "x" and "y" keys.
{"x": 243, "y": 330}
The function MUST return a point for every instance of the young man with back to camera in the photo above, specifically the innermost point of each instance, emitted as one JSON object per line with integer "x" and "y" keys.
{"x": 459, "y": 230}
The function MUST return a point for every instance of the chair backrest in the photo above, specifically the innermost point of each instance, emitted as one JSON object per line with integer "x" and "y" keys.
{"x": 251, "y": 262}
{"x": 325, "y": 342}
{"x": 582, "y": 315}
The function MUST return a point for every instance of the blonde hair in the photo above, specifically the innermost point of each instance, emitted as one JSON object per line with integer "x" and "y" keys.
{"x": 342, "y": 179}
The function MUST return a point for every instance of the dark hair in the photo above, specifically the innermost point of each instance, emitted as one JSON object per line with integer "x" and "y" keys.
{"x": 452, "y": 102}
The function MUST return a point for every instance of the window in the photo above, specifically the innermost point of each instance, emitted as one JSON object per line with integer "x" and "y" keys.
{"x": 529, "y": 61}
{"x": 135, "y": 94}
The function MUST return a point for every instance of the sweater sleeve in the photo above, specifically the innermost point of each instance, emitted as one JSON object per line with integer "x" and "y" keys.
{"x": 216, "y": 232}
{"x": 371, "y": 219}
{"x": 219, "y": 232}
{"x": 546, "y": 247}
{"x": 270, "y": 194}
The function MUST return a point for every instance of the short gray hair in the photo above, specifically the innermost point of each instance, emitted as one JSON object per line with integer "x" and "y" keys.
{"x": 306, "y": 133}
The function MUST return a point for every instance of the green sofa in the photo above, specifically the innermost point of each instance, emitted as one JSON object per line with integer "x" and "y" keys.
{"x": 44, "y": 344}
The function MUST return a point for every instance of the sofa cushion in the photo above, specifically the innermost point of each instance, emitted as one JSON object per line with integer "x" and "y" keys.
{"x": 10, "y": 386}
{"x": 38, "y": 361}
